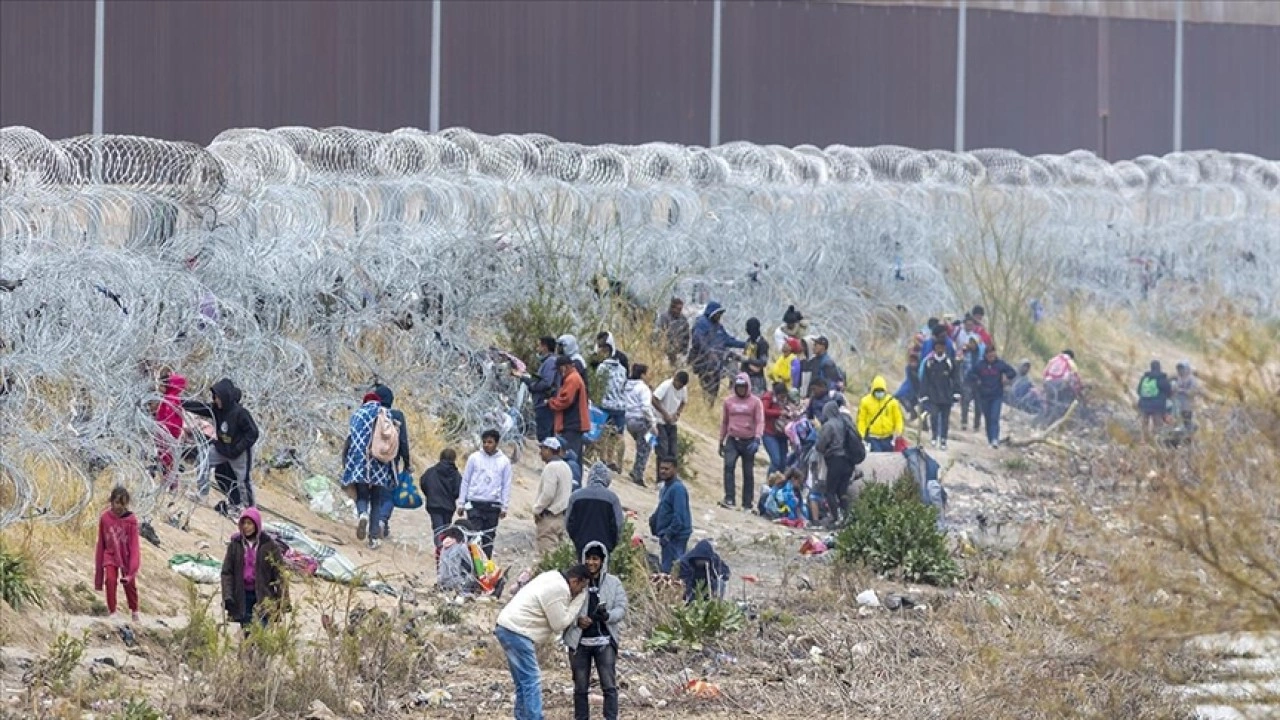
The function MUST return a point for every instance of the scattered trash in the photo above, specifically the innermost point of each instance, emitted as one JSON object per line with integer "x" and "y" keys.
{"x": 148, "y": 533}
{"x": 702, "y": 689}
{"x": 436, "y": 698}
{"x": 200, "y": 568}
{"x": 813, "y": 546}
{"x": 126, "y": 634}
{"x": 319, "y": 711}
{"x": 895, "y": 602}
{"x": 867, "y": 598}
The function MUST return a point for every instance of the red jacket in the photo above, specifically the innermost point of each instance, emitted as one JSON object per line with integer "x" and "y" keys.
{"x": 169, "y": 418}
{"x": 772, "y": 412}
{"x": 117, "y": 547}
{"x": 572, "y": 392}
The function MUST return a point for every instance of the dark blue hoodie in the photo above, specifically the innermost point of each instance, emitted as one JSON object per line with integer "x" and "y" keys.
{"x": 702, "y": 566}
{"x": 710, "y": 340}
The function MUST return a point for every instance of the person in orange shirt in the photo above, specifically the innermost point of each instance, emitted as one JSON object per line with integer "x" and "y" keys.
{"x": 571, "y": 406}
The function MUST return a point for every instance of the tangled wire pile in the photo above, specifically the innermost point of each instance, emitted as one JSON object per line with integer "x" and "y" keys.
{"x": 304, "y": 262}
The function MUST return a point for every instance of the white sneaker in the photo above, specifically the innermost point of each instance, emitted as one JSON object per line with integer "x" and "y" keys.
{"x": 374, "y": 543}
{"x": 995, "y": 444}
{"x": 944, "y": 444}
{"x": 362, "y": 526}
{"x": 934, "y": 443}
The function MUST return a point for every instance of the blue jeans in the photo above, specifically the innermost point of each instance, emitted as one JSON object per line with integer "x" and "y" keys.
{"x": 880, "y": 444}
{"x": 369, "y": 499}
{"x": 672, "y": 552}
{"x": 544, "y": 420}
{"x": 940, "y": 423}
{"x": 522, "y": 660}
{"x": 776, "y": 447}
{"x": 991, "y": 413}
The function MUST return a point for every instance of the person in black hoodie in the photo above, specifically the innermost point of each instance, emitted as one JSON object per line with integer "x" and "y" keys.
{"x": 595, "y": 513}
{"x": 703, "y": 572}
{"x": 440, "y": 486}
{"x": 235, "y": 433}
{"x": 939, "y": 388}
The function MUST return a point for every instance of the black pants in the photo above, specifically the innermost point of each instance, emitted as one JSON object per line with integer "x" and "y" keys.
{"x": 572, "y": 440}
{"x": 839, "y": 475}
{"x": 544, "y": 419}
{"x": 941, "y": 421}
{"x": 483, "y": 516}
{"x": 440, "y": 519}
{"x": 666, "y": 441}
{"x": 605, "y": 658}
{"x": 735, "y": 448}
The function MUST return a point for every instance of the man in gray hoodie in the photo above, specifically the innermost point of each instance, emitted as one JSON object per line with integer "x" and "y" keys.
{"x": 594, "y": 637}
{"x": 841, "y": 449}
{"x": 595, "y": 512}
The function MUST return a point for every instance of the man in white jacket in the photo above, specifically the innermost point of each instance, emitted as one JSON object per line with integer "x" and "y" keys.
{"x": 538, "y": 614}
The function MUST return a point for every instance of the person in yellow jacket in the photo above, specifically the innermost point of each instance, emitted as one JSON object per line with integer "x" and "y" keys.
{"x": 786, "y": 368}
{"x": 880, "y": 420}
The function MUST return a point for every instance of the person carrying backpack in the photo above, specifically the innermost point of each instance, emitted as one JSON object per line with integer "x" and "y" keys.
{"x": 1154, "y": 392}
{"x": 401, "y": 466}
{"x": 372, "y": 446}
{"x": 841, "y": 449}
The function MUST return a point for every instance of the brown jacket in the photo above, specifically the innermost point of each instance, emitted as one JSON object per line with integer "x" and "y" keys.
{"x": 571, "y": 405}
{"x": 269, "y": 581}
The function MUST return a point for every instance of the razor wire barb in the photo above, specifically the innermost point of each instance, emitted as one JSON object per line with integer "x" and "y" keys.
{"x": 304, "y": 262}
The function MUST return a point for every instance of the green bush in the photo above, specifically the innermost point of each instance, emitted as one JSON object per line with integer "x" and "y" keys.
{"x": 138, "y": 710}
{"x": 685, "y": 445}
{"x": 891, "y": 531}
{"x": 625, "y": 562}
{"x": 693, "y": 625}
{"x": 55, "y": 668}
{"x": 18, "y": 580}
{"x": 522, "y": 325}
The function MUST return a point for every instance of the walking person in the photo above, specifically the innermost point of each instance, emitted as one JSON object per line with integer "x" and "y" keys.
{"x": 571, "y": 406}
{"x": 669, "y": 399}
{"x": 880, "y": 418}
{"x": 741, "y": 431}
{"x": 672, "y": 521}
{"x": 486, "y": 489}
{"x": 970, "y": 355}
{"x": 440, "y": 485}
{"x": 169, "y": 418}
{"x": 542, "y": 387}
{"x": 595, "y": 512}
{"x": 400, "y": 466}
{"x": 1154, "y": 393}
{"x": 674, "y": 332}
{"x": 235, "y": 434}
{"x": 370, "y": 477}
{"x": 549, "y": 506}
{"x": 594, "y": 638}
{"x": 990, "y": 376}
{"x": 118, "y": 556}
{"x": 253, "y": 582}
{"x": 642, "y": 419}
{"x": 841, "y": 449}
{"x": 539, "y": 613}
{"x": 940, "y": 388}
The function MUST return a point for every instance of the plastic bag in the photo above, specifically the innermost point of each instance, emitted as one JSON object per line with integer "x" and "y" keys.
{"x": 200, "y": 569}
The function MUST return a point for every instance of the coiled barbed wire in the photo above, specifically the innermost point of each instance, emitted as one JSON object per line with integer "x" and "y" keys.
{"x": 305, "y": 262}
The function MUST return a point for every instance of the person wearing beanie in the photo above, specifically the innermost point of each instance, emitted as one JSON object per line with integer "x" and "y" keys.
{"x": 793, "y": 327}
{"x": 253, "y": 581}
{"x": 593, "y": 638}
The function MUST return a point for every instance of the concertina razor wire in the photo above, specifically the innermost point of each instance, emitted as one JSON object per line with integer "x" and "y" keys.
{"x": 303, "y": 263}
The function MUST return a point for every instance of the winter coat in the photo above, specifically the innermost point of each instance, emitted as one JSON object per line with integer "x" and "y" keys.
{"x": 824, "y": 368}
{"x": 675, "y": 333}
{"x": 989, "y": 378}
{"x": 387, "y": 399}
{"x": 440, "y": 486}
{"x": 710, "y": 340}
{"x": 838, "y": 437}
{"x": 235, "y": 432}
{"x": 672, "y": 521}
{"x": 786, "y": 369}
{"x": 880, "y": 418}
{"x": 359, "y": 466}
{"x": 117, "y": 547}
{"x": 614, "y": 378}
{"x": 701, "y": 566}
{"x": 269, "y": 581}
{"x": 543, "y": 385}
{"x": 1159, "y": 403}
{"x": 595, "y": 512}
{"x": 940, "y": 379}
{"x": 571, "y": 405}
{"x": 610, "y": 593}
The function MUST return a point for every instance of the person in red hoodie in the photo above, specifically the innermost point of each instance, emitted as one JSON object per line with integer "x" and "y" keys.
{"x": 169, "y": 418}
{"x": 117, "y": 557}
{"x": 571, "y": 406}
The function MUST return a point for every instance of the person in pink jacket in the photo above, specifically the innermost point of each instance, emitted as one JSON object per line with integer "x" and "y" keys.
{"x": 118, "y": 557}
{"x": 169, "y": 418}
{"x": 741, "y": 428}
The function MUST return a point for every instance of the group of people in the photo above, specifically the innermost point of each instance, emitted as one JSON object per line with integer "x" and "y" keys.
{"x": 1167, "y": 402}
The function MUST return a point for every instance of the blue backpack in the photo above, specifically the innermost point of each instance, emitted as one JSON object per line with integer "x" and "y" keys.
{"x": 406, "y": 496}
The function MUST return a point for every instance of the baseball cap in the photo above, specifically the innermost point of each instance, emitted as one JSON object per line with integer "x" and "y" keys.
{"x": 550, "y": 443}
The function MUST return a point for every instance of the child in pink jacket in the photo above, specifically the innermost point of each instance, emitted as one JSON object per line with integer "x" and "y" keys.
{"x": 117, "y": 557}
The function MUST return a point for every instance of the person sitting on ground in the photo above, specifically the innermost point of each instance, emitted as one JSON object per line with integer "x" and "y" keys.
{"x": 1062, "y": 383}
{"x": 456, "y": 570}
{"x": 1023, "y": 394}
{"x": 539, "y": 613}
{"x": 1154, "y": 391}
{"x": 595, "y": 513}
{"x": 704, "y": 574}
{"x": 880, "y": 419}
{"x": 593, "y": 639}
{"x": 785, "y": 497}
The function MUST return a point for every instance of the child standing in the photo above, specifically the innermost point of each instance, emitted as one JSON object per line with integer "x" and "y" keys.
{"x": 253, "y": 584}
{"x": 117, "y": 557}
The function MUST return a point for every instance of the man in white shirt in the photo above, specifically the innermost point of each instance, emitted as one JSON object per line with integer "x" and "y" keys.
{"x": 539, "y": 613}
{"x": 669, "y": 400}
{"x": 549, "y": 506}
{"x": 486, "y": 489}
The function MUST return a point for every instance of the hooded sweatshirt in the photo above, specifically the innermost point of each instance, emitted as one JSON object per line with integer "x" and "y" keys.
{"x": 604, "y": 590}
{"x": 440, "y": 486}
{"x": 486, "y": 478}
{"x": 595, "y": 512}
{"x": 701, "y": 566}
{"x": 571, "y": 405}
{"x": 117, "y": 547}
{"x": 742, "y": 417}
{"x": 618, "y": 355}
{"x": 569, "y": 346}
{"x": 672, "y": 521}
{"x": 837, "y": 437}
{"x": 756, "y": 357}
{"x": 543, "y": 609}
{"x": 255, "y": 564}
{"x": 880, "y": 418}
{"x": 710, "y": 339}
{"x": 235, "y": 432}
{"x": 614, "y": 376}
{"x": 989, "y": 377}
{"x": 387, "y": 398}
{"x": 1154, "y": 390}
{"x": 169, "y": 418}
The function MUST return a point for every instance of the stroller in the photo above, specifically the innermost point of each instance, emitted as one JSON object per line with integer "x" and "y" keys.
{"x": 462, "y": 566}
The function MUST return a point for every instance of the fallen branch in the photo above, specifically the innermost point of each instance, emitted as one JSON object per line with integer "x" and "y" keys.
{"x": 1043, "y": 436}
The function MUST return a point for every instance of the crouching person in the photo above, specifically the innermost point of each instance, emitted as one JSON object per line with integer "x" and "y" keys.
{"x": 253, "y": 581}
{"x": 594, "y": 637}
{"x": 540, "y": 612}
